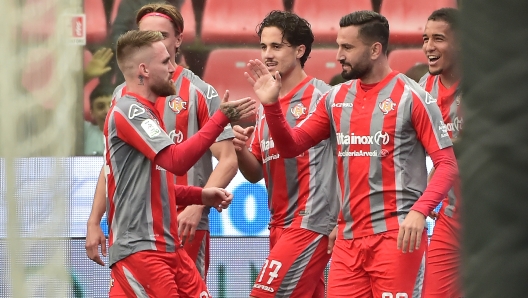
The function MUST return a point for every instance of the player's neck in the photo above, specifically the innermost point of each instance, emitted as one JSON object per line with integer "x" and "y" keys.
{"x": 449, "y": 78}
{"x": 379, "y": 71}
{"x": 291, "y": 81}
{"x": 143, "y": 91}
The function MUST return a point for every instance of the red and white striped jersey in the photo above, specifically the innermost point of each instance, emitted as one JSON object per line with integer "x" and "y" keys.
{"x": 183, "y": 115}
{"x": 448, "y": 99}
{"x": 381, "y": 138}
{"x": 303, "y": 191}
{"x": 141, "y": 202}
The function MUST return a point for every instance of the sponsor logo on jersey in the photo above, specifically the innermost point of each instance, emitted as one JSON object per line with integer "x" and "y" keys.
{"x": 443, "y": 130}
{"x": 456, "y": 125}
{"x": 298, "y": 110}
{"x": 177, "y": 104}
{"x": 379, "y": 138}
{"x": 267, "y": 145}
{"x": 177, "y": 137}
{"x": 134, "y": 111}
{"x": 151, "y": 128}
{"x": 211, "y": 92}
{"x": 263, "y": 287}
{"x": 387, "y": 105}
{"x": 342, "y": 105}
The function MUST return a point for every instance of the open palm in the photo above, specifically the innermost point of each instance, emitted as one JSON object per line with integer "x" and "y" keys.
{"x": 264, "y": 84}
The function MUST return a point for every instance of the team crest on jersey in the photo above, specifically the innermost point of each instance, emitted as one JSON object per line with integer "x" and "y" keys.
{"x": 298, "y": 110}
{"x": 386, "y": 106}
{"x": 177, "y": 104}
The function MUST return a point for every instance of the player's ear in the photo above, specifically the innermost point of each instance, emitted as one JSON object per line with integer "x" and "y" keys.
{"x": 143, "y": 71}
{"x": 376, "y": 50}
{"x": 301, "y": 49}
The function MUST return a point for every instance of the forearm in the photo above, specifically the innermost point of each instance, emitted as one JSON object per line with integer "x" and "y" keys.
{"x": 188, "y": 195}
{"x": 223, "y": 173}
{"x": 249, "y": 166}
{"x": 99, "y": 202}
{"x": 178, "y": 159}
{"x": 290, "y": 142}
{"x": 446, "y": 170}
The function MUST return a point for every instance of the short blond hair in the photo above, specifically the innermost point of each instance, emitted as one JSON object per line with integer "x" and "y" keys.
{"x": 132, "y": 41}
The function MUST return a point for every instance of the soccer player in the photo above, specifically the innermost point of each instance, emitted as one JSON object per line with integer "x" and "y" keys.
{"x": 381, "y": 124}
{"x": 145, "y": 254}
{"x": 183, "y": 115}
{"x": 441, "y": 46}
{"x": 303, "y": 191}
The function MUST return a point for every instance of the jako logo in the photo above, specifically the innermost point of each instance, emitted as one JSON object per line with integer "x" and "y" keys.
{"x": 379, "y": 138}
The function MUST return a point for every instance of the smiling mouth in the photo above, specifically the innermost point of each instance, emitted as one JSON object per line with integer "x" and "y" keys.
{"x": 432, "y": 59}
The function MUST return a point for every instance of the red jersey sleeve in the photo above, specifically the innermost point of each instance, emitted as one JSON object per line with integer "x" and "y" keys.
{"x": 188, "y": 195}
{"x": 428, "y": 123}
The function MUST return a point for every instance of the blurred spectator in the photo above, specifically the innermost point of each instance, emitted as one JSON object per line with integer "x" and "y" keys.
{"x": 125, "y": 21}
{"x": 100, "y": 100}
{"x": 336, "y": 80}
{"x": 417, "y": 71}
{"x": 98, "y": 66}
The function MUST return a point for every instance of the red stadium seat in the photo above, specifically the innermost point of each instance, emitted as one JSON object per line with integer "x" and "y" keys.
{"x": 39, "y": 20}
{"x": 189, "y": 22}
{"x": 407, "y": 18}
{"x": 225, "y": 71}
{"x": 324, "y": 17}
{"x": 234, "y": 21}
{"x": 96, "y": 25}
{"x": 115, "y": 7}
{"x": 187, "y": 14}
{"x": 322, "y": 64}
{"x": 403, "y": 59}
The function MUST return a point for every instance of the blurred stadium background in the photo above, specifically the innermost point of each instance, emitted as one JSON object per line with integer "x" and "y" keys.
{"x": 47, "y": 175}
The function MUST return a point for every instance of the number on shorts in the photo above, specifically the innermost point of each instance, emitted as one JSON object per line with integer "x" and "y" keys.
{"x": 274, "y": 274}
{"x": 398, "y": 295}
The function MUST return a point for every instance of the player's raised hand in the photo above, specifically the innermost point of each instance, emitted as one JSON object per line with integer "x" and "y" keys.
{"x": 265, "y": 85}
{"x": 241, "y": 136}
{"x": 411, "y": 230}
{"x": 95, "y": 238}
{"x": 237, "y": 109}
{"x": 217, "y": 198}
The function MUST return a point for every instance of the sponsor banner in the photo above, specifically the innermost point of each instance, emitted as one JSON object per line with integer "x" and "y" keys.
{"x": 235, "y": 264}
{"x": 41, "y": 185}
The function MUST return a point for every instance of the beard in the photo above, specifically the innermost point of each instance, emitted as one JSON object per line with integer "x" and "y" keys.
{"x": 358, "y": 71}
{"x": 164, "y": 88}
{"x": 435, "y": 72}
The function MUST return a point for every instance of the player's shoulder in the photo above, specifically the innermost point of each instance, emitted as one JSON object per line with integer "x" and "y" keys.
{"x": 423, "y": 80}
{"x": 411, "y": 84}
{"x": 199, "y": 85}
{"x": 118, "y": 92}
{"x": 320, "y": 85}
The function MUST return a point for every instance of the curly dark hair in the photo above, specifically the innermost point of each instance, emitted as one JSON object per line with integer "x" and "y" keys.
{"x": 295, "y": 30}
